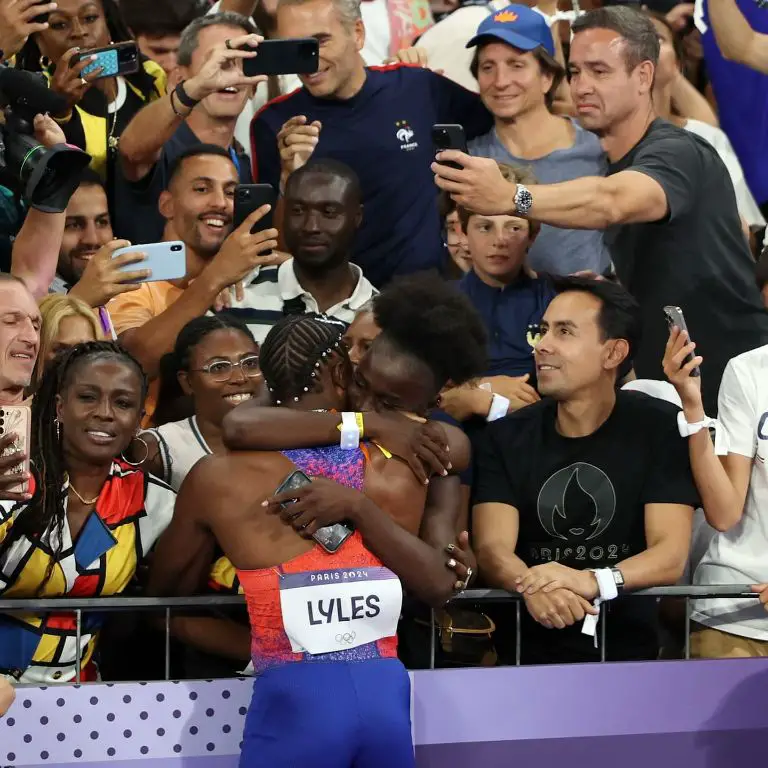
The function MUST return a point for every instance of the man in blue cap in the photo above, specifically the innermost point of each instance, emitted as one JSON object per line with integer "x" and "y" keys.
{"x": 517, "y": 75}
{"x": 667, "y": 204}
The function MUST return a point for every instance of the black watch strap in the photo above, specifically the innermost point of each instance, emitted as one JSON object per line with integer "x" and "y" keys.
{"x": 184, "y": 98}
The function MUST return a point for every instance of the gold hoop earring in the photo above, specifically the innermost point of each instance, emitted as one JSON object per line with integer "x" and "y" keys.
{"x": 139, "y": 439}
{"x": 45, "y": 62}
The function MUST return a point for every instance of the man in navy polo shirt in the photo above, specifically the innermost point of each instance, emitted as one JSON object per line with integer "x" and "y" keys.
{"x": 376, "y": 120}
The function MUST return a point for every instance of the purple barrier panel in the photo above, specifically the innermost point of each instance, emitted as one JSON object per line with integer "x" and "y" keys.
{"x": 713, "y": 749}
{"x": 705, "y": 713}
{"x": 696, "y": 713}
{"x": 166, "y": 723}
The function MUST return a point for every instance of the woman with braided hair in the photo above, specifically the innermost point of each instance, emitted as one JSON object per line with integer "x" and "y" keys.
{"x": 322, "y": 622}
{"x": 92, "y": 515}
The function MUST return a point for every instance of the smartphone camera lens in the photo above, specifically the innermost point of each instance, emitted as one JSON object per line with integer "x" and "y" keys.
{"x": 175, "y": 247}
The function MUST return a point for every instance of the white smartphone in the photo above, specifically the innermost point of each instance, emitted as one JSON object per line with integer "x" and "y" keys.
{"x": 166, "y": 261}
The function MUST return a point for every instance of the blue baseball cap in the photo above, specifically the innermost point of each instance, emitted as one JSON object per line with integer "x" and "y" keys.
{"x": 518, "y": 26}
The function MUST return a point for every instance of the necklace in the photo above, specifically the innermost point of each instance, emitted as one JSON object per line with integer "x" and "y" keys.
{"x": 112, "y": 140}
{"x": 87, "y": 502}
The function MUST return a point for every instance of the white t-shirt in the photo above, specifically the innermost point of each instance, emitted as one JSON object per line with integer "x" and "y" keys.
{"x": 181, "y": 445}
{"x": 748, "y": 208}
{"x": 702, "y": 531}
{"x": 740, "y": 556}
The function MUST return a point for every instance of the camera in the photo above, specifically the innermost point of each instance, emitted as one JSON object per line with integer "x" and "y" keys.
{"x": 45, "y": 177}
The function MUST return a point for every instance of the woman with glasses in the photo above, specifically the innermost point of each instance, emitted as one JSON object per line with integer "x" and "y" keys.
{"x": 214, "y": 367}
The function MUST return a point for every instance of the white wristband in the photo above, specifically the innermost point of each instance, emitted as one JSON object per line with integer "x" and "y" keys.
{"x": 606, "y": 585}
{"x": 350, "y": 432}
{"x": 686, "y": 430}
{"x": 498, "y": 409}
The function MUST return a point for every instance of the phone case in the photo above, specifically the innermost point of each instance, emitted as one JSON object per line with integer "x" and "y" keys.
{"x": 167, "y": 261}
{"x": 292, "y": 56}
{"x": 330, "y": 537}
{"x": 450, "y": 136}
{"x": 675, "y": 317}
{"x": 17, "y": 419}
{"x": 120, "y": 59}
{"x": 249, "y": 197}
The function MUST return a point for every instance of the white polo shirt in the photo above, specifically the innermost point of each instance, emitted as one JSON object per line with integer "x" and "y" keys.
{"x": 740, "y": 556}
{"x": 269, "y": 289}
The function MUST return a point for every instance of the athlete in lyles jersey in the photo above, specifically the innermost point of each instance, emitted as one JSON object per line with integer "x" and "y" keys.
{"x": 330, "y": 692}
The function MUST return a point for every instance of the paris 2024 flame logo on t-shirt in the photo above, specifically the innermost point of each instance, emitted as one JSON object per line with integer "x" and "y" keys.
{"x": 577, "y": 502}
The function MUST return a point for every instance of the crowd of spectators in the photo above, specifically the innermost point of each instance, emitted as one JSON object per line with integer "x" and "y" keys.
{"x": 559, "y": 430}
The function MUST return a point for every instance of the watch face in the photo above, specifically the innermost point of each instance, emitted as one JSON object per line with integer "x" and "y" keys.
{"x": 523, "y": 199}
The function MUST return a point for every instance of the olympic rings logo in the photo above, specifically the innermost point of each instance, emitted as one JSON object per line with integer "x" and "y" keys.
{"x": 347, "y": 637}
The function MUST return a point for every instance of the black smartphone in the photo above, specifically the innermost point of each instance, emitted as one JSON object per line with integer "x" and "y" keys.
{"x": 674, "y": 317}
{"x": 114, "y": 60}
{"x": 331, "y": 537}
{"x": 249, "y": 197}
{"x": 293, "y": 56}
{"x": 450, "y": 136}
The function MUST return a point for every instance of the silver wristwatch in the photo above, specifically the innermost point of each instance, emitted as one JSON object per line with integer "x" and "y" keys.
{"x": 618, "y": 579}
{"x": 523, "y": 200}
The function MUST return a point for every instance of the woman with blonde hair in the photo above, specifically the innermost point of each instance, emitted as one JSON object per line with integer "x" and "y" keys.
{"x": 66, "y": 321}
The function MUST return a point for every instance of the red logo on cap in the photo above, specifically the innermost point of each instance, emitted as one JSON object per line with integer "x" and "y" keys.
{"x": 505, "y": 16}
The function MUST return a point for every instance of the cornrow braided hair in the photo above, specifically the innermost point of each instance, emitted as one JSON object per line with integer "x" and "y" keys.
{"x": 45, "y": 513}
{"x": 294, "y": 350}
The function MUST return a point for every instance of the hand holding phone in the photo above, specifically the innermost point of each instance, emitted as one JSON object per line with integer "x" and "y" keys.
{"x": 329, "y": 537}
{"x": 164, "y": 261}
{"x": 249, "y": 198}
{"x": 224, "y": 68}
{"x": 15, "y": 429}
{"x": 289, "y": 56}
{"x": 450, "y": 136}
{"x": 680, "y": 363}
{"x": 19, "y": 20}
{"x": 110, "y": 61}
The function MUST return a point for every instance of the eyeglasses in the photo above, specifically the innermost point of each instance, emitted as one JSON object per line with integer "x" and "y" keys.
{"x": 221, "y": 370}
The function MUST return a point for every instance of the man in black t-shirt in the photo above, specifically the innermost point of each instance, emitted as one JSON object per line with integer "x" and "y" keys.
{"x": 591, "y": 477}
{"x": 667, "y": 204}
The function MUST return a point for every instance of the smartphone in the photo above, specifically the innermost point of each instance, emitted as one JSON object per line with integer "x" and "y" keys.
{"x": 450, "y": 136}
{"x": 331, "y": 537}
{"x": 249, "y": 197}
{"x": 292, "y": 56}
{"x": 674, "y": 317}
{"x": 17, "y": 419}
{"x": 167, "y": 261}
{"x": 114, "y": 60}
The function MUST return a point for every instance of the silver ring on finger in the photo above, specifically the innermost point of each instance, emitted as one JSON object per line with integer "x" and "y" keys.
{"x": 83, "y": 82}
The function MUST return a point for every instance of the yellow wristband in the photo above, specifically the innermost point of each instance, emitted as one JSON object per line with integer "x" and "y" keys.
{"x": 360, "y": 426}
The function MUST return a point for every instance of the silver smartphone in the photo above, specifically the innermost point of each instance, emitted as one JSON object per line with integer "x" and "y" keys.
{"x": 675, "y": 317}
{"x": 331, "y": 537}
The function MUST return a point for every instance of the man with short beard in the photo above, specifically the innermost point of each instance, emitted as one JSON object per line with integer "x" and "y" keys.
{"x": 203, "y": 108}
{"x": 197, "y": 208}
{"x": 322, "y": 214}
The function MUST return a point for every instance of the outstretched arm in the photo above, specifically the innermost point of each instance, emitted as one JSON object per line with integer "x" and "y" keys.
{"x": 254, "y": 427}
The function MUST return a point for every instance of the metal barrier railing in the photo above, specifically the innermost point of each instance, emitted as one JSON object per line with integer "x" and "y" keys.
{"x": 167, "y": 604}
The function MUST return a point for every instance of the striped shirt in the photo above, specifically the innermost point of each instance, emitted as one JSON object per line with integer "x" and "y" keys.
{"x": 270, "y": 293}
